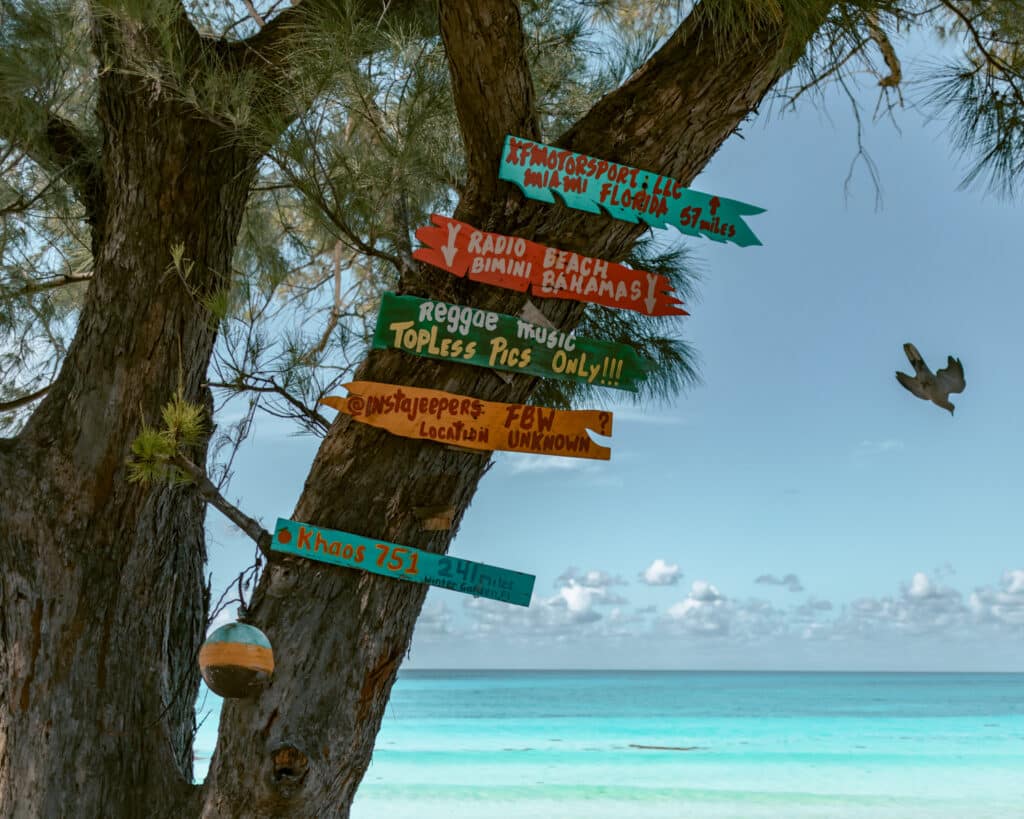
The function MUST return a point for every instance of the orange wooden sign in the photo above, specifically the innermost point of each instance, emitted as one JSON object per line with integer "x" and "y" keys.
{"x": 516, "y": 264}
{"x": 439, "y": 416}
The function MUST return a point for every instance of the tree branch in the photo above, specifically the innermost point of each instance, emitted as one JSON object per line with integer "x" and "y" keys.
{"x": 332, "y": 321}
{"x": 212, "y": 496}
{"x": 332, "y": 210}
{"x": 991, "y": 58}
{"x": 284, "y": 33}
{"x": 17, "y": 403}
{"x": 833, "y": 70}
{"x": 492, "y": 85}
{"x": 272, "y": 50}
{"x": 314, "y": 417}
{"x": 255, "y": 15}
{"x": 23, "y": 204}
{"x": 57, "y": 145}
{"x": 63, "y": 280}
{"x": 892, "y": 61}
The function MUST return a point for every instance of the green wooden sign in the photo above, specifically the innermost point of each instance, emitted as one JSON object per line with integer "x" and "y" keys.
{"x": 623, "y": 192}
{"x": 402, "y": 562}
{"x": 436, "y": 329}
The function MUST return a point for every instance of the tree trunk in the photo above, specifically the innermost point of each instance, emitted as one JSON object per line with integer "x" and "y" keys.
{"x": 102, "y": 598}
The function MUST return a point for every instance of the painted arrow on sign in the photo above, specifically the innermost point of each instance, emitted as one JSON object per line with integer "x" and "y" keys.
{"x": 402, "y": 562}
{"x": 449, "y": 250}
{"x": 461, "y": 420}
{"x": 631, "y": 194}
{"x": 519, "y": 264}
{"x": 469, "y": 335}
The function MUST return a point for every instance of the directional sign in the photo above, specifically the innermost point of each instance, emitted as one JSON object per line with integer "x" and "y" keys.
{"x": 402, "y": 562}
{"x": 630, "y": 194}
{"x": 451, "y": 332}
{"x": 518, "y": 264}
{"x": 469, "y": 422}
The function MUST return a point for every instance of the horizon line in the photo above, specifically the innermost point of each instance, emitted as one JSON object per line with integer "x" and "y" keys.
{"x": 718, "y": 670}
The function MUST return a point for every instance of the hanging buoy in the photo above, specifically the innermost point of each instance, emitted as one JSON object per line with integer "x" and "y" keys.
{"x": 236, "y": 660}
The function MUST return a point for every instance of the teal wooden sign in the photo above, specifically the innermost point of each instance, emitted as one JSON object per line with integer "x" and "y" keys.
{"x": 623, "y": 192}
{"x": 402, "y": 562}
{"x": 436, "y": 329}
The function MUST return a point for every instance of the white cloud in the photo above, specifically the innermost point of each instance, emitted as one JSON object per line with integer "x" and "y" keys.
{"x": 707, "y": 612}
{"x": 679, "y": 611}
{"x": 523, "y": 464}
{"x": 435, "y": 620}
{"x": 581, "y": 591}
{"x": 922, "y": 607}
{"x": 880, "y": 447}
{"x": 790, "y": 581}
{"x": 704, "y": 611}
{"x": 815, "y": 631}
{"x": 704, "y": 592}
{"x": 811, "y": 610}
{"x": 573, "y": 611}
{"x": 661, "y": 573}
{"x": 1001, "y": 607}
{"x": 921, "y": 587}
{"x": 585, "y": 614}
{"x": 593, "y": 577}
{"x": 577, "y": 598}
{"x": 636, "y": 416}
{"x": 546, "y": 618}
{"x": 580, "y": 598}
{"x": 758, "y": 619}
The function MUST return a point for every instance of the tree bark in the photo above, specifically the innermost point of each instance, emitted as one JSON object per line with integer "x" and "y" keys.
{"x": 102, "y": 599}
{"x": 101, "y": 590}
{"x": 340, "y": 635}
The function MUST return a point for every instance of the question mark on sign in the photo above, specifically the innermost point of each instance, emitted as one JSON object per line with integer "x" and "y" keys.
{"x": 606, "y": 418}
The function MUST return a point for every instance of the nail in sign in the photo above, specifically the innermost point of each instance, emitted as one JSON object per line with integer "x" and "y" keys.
{"x": 623, "y": 192}
{"x": 434, "y": 415}
{"x": 450, "y": 332}
{"x": 402, "y": 562}
{"x": 517, "y": 264}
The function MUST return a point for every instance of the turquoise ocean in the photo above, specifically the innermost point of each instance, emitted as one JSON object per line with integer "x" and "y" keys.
{"x": 552, "y": 744}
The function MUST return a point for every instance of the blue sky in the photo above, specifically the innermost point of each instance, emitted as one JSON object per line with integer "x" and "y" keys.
{"x": 799, "y": 454}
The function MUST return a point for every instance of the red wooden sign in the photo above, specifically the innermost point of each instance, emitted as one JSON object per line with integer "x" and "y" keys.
{"x": 518, "y": 264}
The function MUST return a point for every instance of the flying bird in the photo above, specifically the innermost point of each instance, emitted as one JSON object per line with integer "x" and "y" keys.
{"x": 934, "y": 387}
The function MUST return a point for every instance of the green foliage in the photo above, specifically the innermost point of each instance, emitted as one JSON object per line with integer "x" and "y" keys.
{"x": 184, "y": 423}
{"x": 981, "y": 94}
{"x": 151, "y": 451}
{"x": 154, "y": 450}
{"x": 44, "y": 68}
{"x": 565, "y": 58}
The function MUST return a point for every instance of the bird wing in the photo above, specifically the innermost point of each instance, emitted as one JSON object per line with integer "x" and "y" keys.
{"x": 915, "y": 359}
{"x": 951, "y": 377}
{"x": 913, "y": 385}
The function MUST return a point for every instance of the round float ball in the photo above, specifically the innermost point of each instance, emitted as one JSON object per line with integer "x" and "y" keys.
{"x": 236, "y": 660}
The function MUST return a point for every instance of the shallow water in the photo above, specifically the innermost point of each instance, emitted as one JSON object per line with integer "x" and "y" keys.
{"x": 558, "y": 744}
